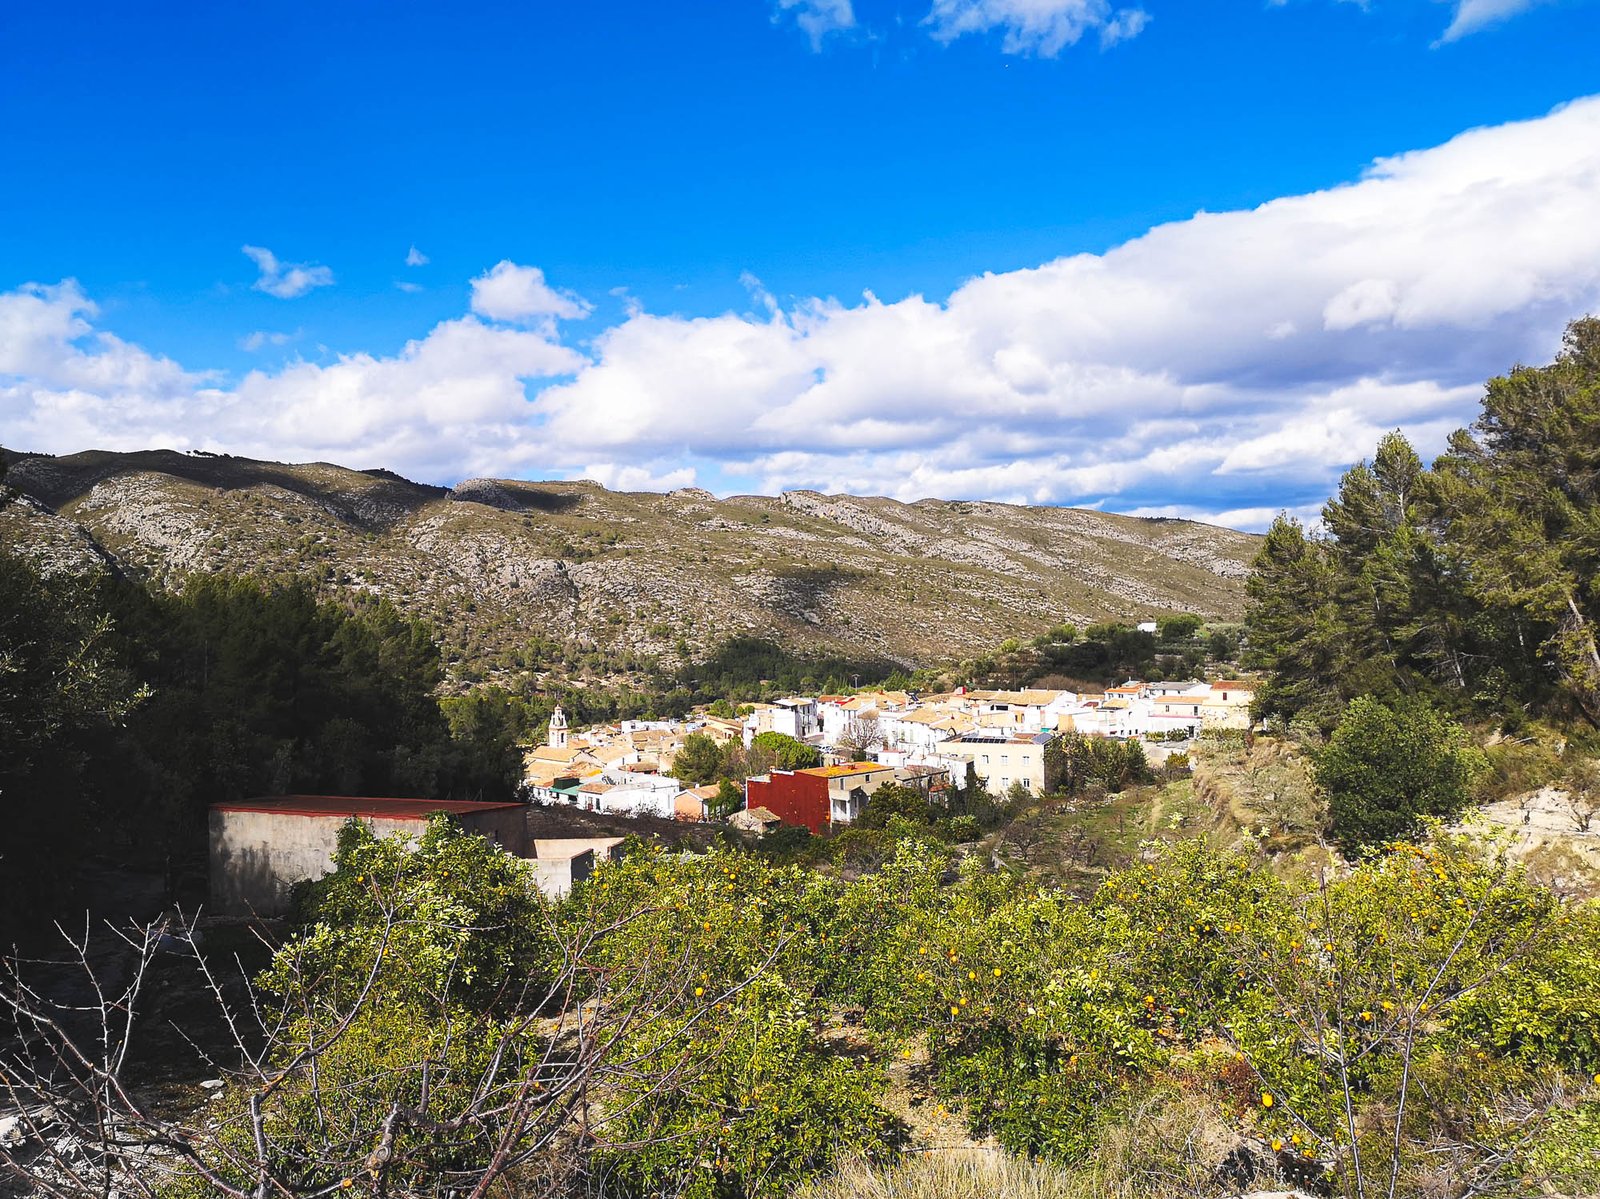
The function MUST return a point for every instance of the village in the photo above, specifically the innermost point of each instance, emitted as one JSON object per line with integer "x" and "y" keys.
{"x": 261, "y": 848}
{"x": 866, "y": 740}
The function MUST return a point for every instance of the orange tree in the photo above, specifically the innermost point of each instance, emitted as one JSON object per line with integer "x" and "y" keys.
{"x": 1027, "y": 1019}
{"x": 1324, "y": 1013}
{"x": 1392, "y": 1005}
{"x": 435, "y": 1025}
{"x": 720, "y": 961}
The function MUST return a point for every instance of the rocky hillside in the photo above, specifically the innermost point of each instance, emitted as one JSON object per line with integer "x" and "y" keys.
{"x": 498, "y": 564}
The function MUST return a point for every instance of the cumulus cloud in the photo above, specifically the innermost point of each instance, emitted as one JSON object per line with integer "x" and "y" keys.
{"x": 450, "y": 404}
{"x": 817, "y": 18}
{"x": 415, "y": 257}
{"x": 63, "y": 382}
{"x": 620, "y": 477}
{"x": 286, "y": 280}
{"x": 1043, "y": 27}
{"x": 519, "y": 294}
{"x": 1240, "y": 355}
{"x": 1228, "y": 364}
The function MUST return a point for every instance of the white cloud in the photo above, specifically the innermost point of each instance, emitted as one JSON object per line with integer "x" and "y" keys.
{"x": 407, "y": 286}
{"x": 620, "y": 477}
{"x": 415, "y": 257}
{"x": 46, "y": 338}
{"x": 1124, "y": 24}
{"x": 1229, "y": 364}
{"x": 286, "y": 280}
{"x": 1044, "y": 27}
{"x": 1254, "y": 520}
{"x": 519, "y": 294}
{"x": 448, "y": 405}
{"x": 817, "y": 18}
{"x": 1240, "y": 354}
{"x": 1473, "y": 15}
{"x": 260, "y": 339}
{"x": 452, "y": 402}
{"x": 62, "y": 382}
{"x": 1369, "y": 302}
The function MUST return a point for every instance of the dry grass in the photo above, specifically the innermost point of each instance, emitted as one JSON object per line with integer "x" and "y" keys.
{"x": 951, "y": 1174}
{"x": 1518, "y": 765}
{"x": 1169, "y": 1146}
{"x": 1172, "y": 1146}
{"x": 1267, "y": 786}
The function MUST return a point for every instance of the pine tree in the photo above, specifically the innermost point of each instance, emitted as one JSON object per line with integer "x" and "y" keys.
{"x": 1522, "y": 494}
{"x": 1293, "y": 625}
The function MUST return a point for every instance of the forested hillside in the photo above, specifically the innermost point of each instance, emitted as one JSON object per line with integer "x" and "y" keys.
{"x": 126, "y": 711}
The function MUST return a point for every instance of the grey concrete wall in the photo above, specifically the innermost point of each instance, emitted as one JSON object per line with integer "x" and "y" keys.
{"x": 257, "y": 856}
{"x": 604, "y": 848}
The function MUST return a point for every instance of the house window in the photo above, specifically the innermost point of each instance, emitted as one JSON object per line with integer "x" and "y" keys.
{"x": 985, "y": 759}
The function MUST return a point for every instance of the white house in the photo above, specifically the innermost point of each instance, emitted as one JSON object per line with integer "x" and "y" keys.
{"x": 631, "y": 794}
{"x": 795, "y": 717}
{"x": 922, "y": 729}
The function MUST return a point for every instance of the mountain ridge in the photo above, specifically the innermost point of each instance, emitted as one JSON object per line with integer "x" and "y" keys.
{"x": 499, "y": 564}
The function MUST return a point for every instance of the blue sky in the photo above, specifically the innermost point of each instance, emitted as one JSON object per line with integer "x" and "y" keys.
{"x": 651, "y": 232}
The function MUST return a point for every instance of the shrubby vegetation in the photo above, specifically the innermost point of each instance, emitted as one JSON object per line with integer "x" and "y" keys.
{"x": 751, "y": 668}
{"x": 787, "y": 753}
{"x": 1386, "y": 769}
{"x": 1428, "y": 1022}
{"x": 1074, "y": 762}
{"x": 1182, "y": 646}
{"x": 702, "y": 759}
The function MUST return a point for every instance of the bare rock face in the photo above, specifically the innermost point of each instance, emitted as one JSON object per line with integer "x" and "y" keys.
{"x": 139, "y": 508}
{"x": 55, "y": 545}
{"x": 497, "y": 563}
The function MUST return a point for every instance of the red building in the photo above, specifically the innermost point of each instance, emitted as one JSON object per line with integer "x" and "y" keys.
{"x": 820, "y": 797}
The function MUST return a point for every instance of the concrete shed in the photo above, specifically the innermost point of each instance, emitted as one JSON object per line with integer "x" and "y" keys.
{"x": 559, "y": 863}
{"x": 262, "y": 847}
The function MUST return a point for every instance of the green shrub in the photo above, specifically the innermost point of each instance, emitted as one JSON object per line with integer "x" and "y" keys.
{"x": 1386, "y": 768}
{"x": 763, "y": 1107}
{"x": 1425, "y": 1010}
{"x": 449, "y": 914}
{"x": 787, "y": 753}
{"x": 894, "y": 799}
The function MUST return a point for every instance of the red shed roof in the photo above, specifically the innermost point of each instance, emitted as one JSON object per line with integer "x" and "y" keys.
{"x": 358, "y": 805}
